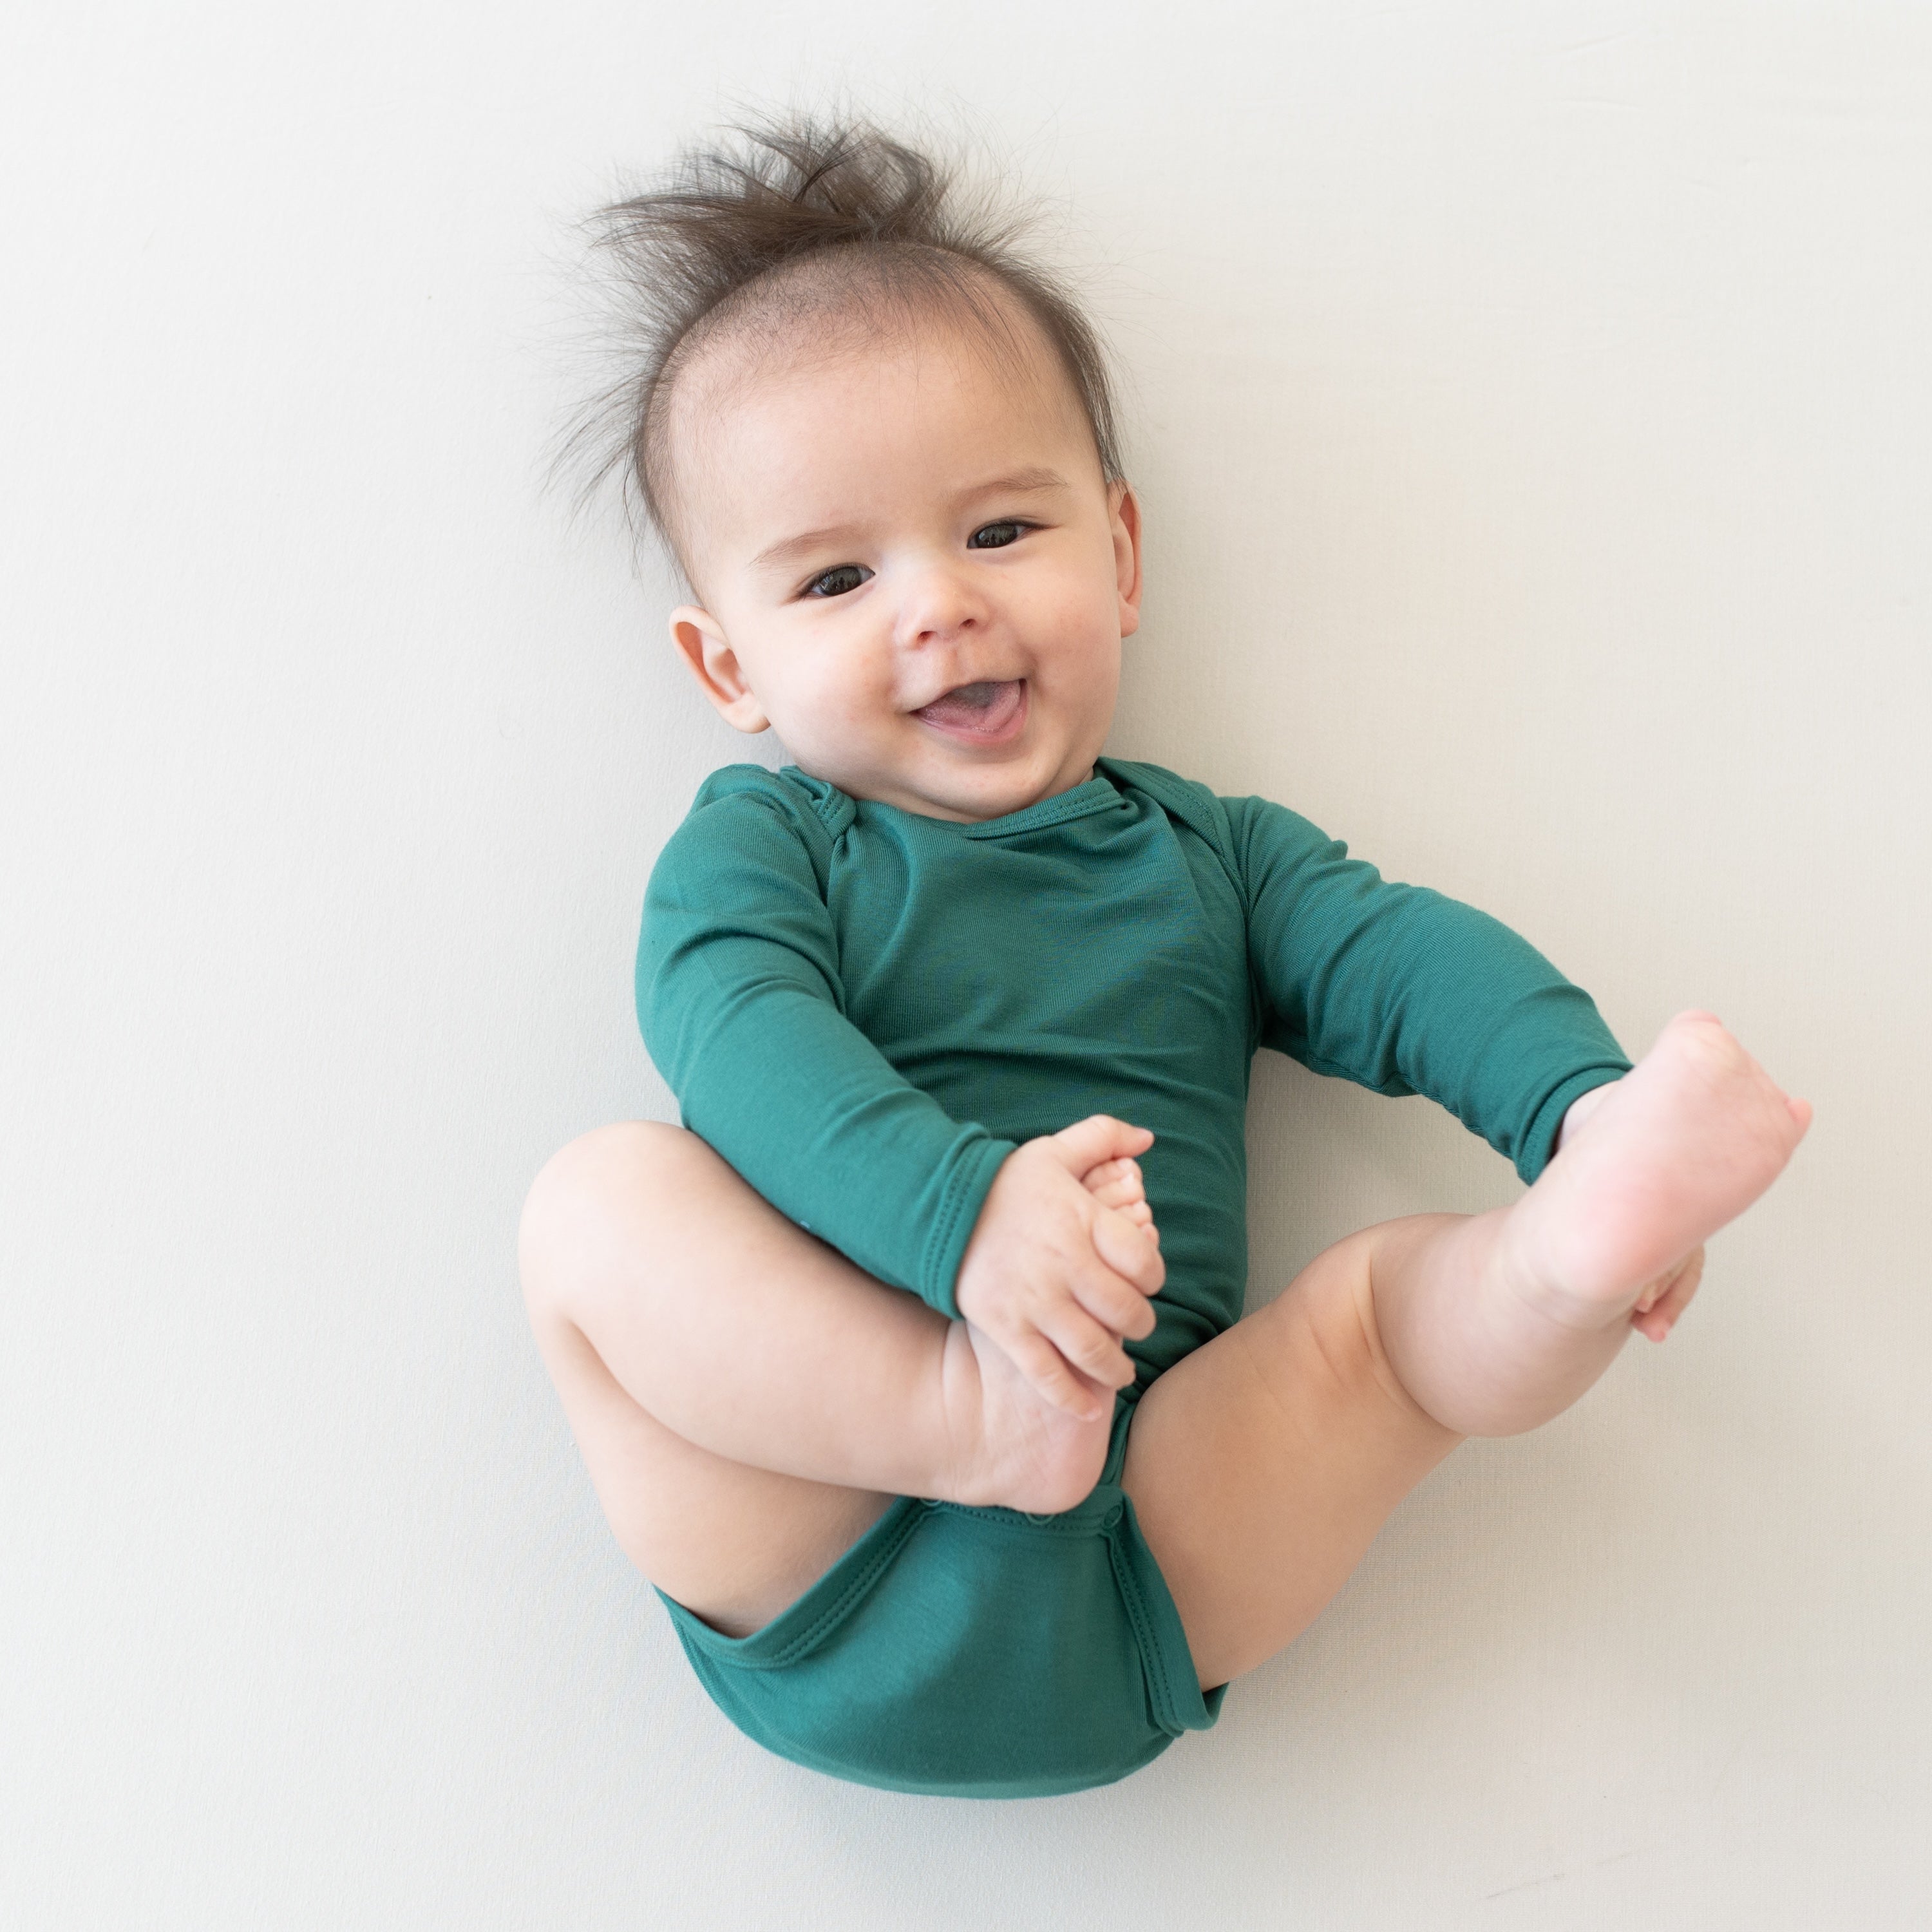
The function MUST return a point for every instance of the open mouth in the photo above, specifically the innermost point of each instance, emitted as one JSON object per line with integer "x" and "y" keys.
{"x": 987, "y": 714}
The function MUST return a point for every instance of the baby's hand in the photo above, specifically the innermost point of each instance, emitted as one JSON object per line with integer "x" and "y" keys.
{"x": 1062, "y": 1259}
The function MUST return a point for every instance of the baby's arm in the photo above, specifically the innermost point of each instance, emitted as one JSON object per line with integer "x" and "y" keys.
{"x": 1062, "y": 1260}
{"x": 1407, "y": 992}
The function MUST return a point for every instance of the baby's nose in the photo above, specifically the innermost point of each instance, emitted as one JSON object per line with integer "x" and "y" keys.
{"x": 938, "y": 604}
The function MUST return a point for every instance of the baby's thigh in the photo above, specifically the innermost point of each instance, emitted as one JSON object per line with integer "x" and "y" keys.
{"x": 628, "y": 1232}
{"x": 1262, "y": 1466}
{"x": 732, "y": 1543}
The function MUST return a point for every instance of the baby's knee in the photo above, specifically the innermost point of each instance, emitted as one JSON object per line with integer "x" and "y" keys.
{"x": 608, "y": 1176}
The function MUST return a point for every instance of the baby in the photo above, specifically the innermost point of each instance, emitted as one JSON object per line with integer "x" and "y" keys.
{"x": 912, "y": 1369}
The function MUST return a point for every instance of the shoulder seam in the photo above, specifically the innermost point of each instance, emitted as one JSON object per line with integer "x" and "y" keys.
{"x": 1197, "y": 807}
{"x": 766, "y": 791}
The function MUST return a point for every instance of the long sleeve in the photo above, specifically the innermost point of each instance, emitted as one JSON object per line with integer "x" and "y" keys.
{"x": 1406, "y": 991}
{"x": 739, "y": 996}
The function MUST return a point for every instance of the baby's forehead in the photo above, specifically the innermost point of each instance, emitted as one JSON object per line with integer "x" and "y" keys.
{"x": 801, "y": 385}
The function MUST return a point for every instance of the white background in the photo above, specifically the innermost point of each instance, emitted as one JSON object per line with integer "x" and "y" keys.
{"x": 1530, "y": 406}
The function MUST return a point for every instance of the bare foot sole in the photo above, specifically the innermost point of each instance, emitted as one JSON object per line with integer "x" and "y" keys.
{"x": 1683, "y": 1144}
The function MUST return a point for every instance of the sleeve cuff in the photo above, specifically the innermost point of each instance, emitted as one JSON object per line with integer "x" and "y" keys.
{"x": 953, "y": 1228}
{"x": 1540, "y": 1142}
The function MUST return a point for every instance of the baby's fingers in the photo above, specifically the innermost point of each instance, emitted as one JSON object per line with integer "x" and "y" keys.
{"x": 1117, "y": 1306}
{"x": 1044, "y": 1366}
{"x": 1098, "y": 1138}
{"x": 1091, "y": 1349}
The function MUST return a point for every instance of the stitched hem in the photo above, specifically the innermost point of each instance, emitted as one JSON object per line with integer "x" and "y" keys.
{"x": 966, "y": 1191}
{"x": 801, "y": 1627}
{"x": 1539, "y": 1144}
{"x": 987, "y": 1787}
{"x": 1160, "y": 1704}
{"x": 1096, "y": 794}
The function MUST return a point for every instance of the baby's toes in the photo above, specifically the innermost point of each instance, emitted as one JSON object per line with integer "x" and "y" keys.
{"x": 1116, "y": 1183}
{"x": 1659, "y": 1305}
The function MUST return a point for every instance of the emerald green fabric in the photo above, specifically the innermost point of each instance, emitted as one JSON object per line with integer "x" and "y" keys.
{"x": 864, "y": 1010}
{"x": 971, "y": 1653}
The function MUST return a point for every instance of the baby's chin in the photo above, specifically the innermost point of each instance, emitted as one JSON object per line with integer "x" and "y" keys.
{"x": 990, "y": 791}
{"x": 915, "y": 786}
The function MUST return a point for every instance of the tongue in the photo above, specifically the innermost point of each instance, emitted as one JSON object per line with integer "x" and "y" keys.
{"x": 975, "y": 707}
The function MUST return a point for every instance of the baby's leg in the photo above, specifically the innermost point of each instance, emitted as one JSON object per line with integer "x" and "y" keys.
{"x": 1262, "y": 1466}
{"x": 747, "y": 1401}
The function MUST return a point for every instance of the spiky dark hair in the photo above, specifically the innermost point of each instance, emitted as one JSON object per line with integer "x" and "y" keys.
{"x": 829, "y": 214}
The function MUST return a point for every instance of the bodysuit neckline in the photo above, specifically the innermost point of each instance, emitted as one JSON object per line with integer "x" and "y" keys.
{"x": 1098, "y": 793}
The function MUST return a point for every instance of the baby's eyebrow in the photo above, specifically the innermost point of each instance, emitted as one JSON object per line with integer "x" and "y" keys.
{"x": 1022, "y": 483}
{"x": 789, "y": 549}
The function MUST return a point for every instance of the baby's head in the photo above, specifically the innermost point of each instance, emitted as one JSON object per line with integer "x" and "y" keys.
{"x": 881, "y": 445}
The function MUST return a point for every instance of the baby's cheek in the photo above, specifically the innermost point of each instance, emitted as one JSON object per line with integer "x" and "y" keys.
{"x": 1083, "y": 666}
{"x": 838, "y": 715}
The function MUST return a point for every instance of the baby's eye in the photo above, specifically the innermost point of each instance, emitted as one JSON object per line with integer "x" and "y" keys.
{"x": 995, "y": 536}
{"x": 838, "y": 580}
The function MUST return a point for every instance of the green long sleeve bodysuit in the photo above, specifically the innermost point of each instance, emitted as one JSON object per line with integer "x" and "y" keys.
{"x": 864, "y": 1010}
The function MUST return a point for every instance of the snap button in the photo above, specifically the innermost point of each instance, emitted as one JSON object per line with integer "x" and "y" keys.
{"x": 1113, "y": 1516}
{"x": 1031, "y": 1518}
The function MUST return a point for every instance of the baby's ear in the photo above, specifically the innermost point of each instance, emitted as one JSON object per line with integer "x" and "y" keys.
{"x": 1126, "y": 523}
{"x": 701, "y": 642}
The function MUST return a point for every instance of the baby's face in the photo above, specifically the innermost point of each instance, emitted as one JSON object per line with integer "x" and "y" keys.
{"x": 912, "y": 568}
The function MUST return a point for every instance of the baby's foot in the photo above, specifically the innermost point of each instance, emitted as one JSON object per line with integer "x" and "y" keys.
{"x": 1681, "y": 1144}
{"x": 1011, "y": 1446}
